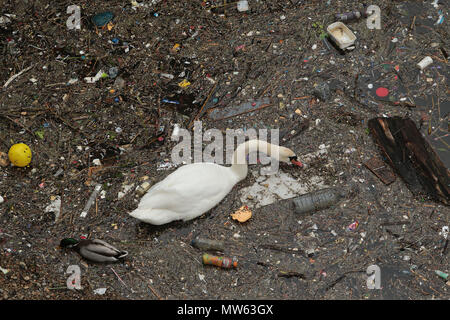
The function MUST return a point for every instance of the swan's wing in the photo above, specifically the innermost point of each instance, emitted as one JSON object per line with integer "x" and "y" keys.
{"x": 189, "y": 191}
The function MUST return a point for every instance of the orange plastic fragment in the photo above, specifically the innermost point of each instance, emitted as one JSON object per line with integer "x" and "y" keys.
{"x": 242, "y": 214}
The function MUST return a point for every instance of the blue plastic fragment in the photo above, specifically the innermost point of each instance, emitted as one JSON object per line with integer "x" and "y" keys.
{"x": 103, "y": 18}
{"x": 113, "y": 72}
{"x": 169, "y": 101}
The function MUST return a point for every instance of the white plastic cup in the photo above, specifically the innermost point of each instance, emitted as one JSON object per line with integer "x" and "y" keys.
{"x": 425, "y": 62}
{"x": 242, "y": 5}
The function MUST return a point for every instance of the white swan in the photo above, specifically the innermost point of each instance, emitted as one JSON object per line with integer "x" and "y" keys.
{"x": 193, "y": 189}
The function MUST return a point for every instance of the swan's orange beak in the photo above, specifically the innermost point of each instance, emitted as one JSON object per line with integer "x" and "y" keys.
{"x": 295, "y": 161}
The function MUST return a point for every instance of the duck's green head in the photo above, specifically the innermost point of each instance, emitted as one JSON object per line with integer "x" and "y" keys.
{"x": 68, "y": 243}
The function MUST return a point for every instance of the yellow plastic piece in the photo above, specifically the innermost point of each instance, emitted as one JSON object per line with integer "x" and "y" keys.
{"x": 20, "y": 155}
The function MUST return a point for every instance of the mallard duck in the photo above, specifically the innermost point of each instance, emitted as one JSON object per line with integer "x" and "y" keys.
{"x": 95, "y": 250}
{"x": 195, "y": 188}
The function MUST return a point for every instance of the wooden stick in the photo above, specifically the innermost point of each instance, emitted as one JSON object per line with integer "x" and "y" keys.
{"x": 203, "y": 106}
{"x": 15, "y": 76}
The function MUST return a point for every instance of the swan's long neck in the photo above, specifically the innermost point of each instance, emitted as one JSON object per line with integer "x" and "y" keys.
{"x": 239, "y": 165}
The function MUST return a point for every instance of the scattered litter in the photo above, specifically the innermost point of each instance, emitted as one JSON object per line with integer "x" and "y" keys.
{"x": 444, "y": 232}
{"x": 208, "y": 244}
{"x": 184, "y": 84}
{"x": 5, "y": 271}
{"x": 166, "y": 166}
{"x": 124, "y": 191}
{"x": 102, "y": 19}
{"x": 143, "y": 188}
{"x": 443, "y": 275}
{"x": 175, "y": 132}
{"x": 353, "y": 226}
{"x": 317, "y": 200}
{"x": 341, "y": 35}
{"x": 242, "y": 5}
{"x": 242, "y": 214}
{"x": 348, "y": 16}
{"x": 440, "y": 20}
{"x": 279, "y": 186}
{"x": 91, "y": 200}
{"x": 222, "y": 262}
{"x": 100, "y": 291}
{"x": 113, "y": 72}
{"x": 54, "y": 207}
{"x": 97, "y": 77}
{"x": 425, "y": 62}
{"x": 20, "y": 155}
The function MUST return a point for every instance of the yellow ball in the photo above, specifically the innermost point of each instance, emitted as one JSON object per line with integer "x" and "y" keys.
{"x": 20, "y": 155}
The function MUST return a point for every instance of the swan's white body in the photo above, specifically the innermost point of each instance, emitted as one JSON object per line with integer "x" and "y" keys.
{"x": 193, "y": 189}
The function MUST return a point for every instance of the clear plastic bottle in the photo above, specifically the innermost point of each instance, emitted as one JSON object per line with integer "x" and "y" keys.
{"x": 208, "y": 244}
{"x": 317, "y": 200}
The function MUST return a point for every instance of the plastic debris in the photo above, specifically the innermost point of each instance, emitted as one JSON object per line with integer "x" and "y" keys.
{"x": 1, "y": 199}
{"x": 97, "y": 77}
{"x": 143, "y": 188}
{"x": 242, "y": 214}
{"x": 102, "y": 19}
{"x": 124, "y": 191}
{"x": 100, "y": 291}
{"x": 175, "y": 132}
{"x": 113, "y": 72}
{"x": 341, "y": 35}
{"x": 208, "y": 244}
{"x": 443, "y": 275}
{"x": 440, "y": 19}
{"x": 91, "y": 200}
{"x": 348, "y": 16}
{"x": 222, "y": 262}
{"x": 242, "y": 5}
{"x": 184, "y": 84}
{"x": 270, "y": 189}
{"x": 20, "y": 155}
{"x": 444, "y": 232}
{"x": 425, "y": 62}
{"x": 353, "y": 226}
{"x": 5, "y": 271}
{"x": 317, "y": 200}
{"x": 55, "y": 207}
{"x": 119, "y": 83}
